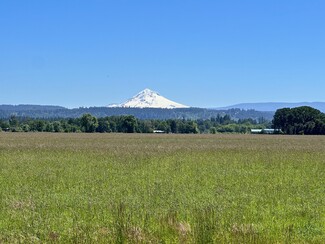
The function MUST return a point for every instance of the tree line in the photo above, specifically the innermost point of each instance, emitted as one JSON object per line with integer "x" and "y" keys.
{"x": 130, "y": 124}
{"x": 293, "y": 121}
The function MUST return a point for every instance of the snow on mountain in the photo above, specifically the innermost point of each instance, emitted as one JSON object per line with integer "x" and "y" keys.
{"x": 149, "y": 99}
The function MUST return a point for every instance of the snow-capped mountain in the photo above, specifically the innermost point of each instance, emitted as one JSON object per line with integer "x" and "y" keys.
{"x": 149, "y": 99}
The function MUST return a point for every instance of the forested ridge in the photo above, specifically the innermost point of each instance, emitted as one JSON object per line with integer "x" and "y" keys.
{"x": 49, "y": 112}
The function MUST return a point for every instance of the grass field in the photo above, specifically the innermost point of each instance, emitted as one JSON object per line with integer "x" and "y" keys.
{"x": 123, "y": 188}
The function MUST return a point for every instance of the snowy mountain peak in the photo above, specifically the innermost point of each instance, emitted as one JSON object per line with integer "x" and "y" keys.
{"x": 147, "y": 91}
{"x": 149, "y": 99}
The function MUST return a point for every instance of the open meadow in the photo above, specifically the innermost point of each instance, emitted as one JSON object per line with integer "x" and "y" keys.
{"x": 137, "y": 188}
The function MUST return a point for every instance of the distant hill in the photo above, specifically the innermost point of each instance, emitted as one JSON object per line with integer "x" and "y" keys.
{"x": 274, "y": 106}
{"x": 28, "y": 107}
{"x": 48, "y": 112}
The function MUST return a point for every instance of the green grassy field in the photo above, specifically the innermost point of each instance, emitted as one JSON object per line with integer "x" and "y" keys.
{"x": 119, "y": 188}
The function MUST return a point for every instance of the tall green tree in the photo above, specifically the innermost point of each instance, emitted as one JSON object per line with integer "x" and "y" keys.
{"x": 103, "y": 125}
{"x": 129, "y": 124}
{"x": 300, "y": 120}
{"x": 89, "y": 123}
{"x": 13, "y": 121}
{"x": 57, "y": 126}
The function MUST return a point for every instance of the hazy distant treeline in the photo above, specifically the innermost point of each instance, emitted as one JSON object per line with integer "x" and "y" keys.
{"x": 50, "y": 112}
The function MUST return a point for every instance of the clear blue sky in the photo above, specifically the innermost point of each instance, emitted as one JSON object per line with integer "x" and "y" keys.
{"x": 200, "y": 53}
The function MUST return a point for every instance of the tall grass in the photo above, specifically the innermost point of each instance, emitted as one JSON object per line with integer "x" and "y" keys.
{"x": 121, "y": 188}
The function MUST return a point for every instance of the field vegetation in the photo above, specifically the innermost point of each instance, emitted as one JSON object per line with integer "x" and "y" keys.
{"x": 148, "y": 188}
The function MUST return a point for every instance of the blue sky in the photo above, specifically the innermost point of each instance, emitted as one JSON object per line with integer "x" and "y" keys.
{"x": 200, "y": 53}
